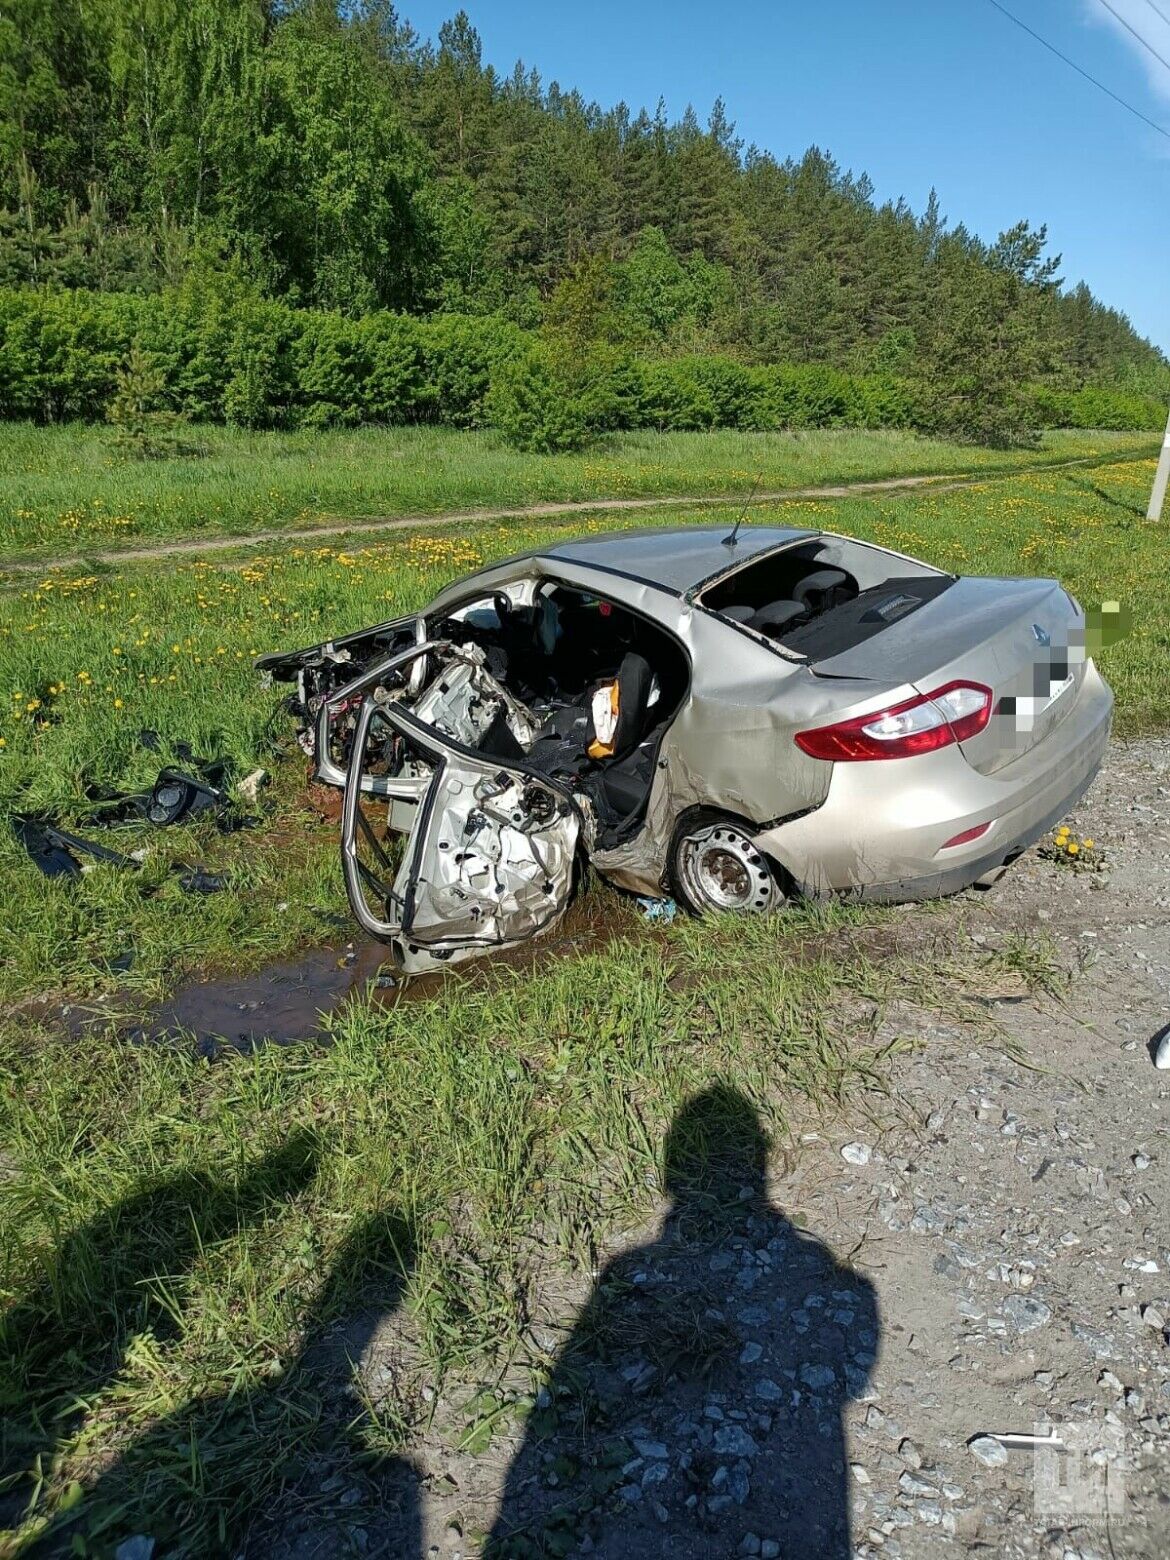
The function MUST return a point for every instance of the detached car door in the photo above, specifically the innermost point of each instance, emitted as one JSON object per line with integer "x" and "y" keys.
{"x": 489, "y": 852}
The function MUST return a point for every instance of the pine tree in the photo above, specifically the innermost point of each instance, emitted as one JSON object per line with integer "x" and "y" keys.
{"x": 145, "y": 428}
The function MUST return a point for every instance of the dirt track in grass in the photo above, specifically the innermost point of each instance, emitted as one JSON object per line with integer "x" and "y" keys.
{"x": 378, "y": 524}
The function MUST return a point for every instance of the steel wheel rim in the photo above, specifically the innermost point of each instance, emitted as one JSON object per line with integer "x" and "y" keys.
{"x": 722, "y": 870}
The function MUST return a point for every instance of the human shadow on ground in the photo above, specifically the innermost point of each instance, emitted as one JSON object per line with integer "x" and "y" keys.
{"x": 699, "y": 1398}
{"x": 279, "y": 1470}
{"x": 65, "y": 1339}
{"x": 275, "y": 1469}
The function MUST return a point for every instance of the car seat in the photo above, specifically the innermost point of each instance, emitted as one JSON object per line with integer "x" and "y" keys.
{"x": 563, "y": 744}
{"x": 777, "y": 616}
{"x": 822, "y": 589}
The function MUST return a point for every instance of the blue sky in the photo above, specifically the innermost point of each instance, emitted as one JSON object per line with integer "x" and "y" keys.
{"x": 914, "y": 92}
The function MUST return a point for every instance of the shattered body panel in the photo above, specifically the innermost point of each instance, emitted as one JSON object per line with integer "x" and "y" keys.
{"x": 472, "y": 729}
{"x": 490, "y": 852}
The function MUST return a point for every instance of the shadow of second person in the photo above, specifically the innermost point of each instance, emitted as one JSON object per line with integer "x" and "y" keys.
{"x": 700, "y": 1397}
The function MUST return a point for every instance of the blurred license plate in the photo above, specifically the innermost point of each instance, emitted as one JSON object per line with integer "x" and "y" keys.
{"x": 1029, "y": 711}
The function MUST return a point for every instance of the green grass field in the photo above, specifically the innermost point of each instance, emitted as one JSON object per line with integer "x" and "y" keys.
{"x": 174, "y": 1229}
{"x": 63, "y": 489}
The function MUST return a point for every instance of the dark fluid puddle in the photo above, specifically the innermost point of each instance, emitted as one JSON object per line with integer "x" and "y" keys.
{"x": 278, "y": 1005}
{"x": 286, "y": 1002}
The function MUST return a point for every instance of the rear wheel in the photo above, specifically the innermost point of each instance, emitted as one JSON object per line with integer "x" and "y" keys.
{"x": 714, "y": 866}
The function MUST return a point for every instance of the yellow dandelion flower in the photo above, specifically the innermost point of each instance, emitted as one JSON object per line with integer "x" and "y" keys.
{"x": 1088, "y": 844}
{"x": 1073, "y": 848}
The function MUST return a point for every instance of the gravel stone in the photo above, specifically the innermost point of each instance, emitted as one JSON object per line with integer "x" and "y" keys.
{"x": 915, "y": 1486}
{"x": 734, "y": 1441}
{"x": 990, "y": 1453}
{"x": 1026, "y": 1312}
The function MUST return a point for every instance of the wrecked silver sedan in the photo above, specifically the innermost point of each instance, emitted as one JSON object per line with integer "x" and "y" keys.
{"x": 734, "y": 720}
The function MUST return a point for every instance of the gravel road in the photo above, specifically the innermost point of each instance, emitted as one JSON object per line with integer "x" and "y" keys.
{"x": 822, "y": 1372}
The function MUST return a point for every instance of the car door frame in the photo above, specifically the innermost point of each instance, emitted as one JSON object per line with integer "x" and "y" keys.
{"x": 424, "y": 792}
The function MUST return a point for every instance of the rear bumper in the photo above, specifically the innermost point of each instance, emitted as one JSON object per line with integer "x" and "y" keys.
{"x": 881, "y": 831}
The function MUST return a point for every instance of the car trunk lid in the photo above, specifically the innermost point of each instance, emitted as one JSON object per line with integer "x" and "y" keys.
{"x": 1020, "y": 638}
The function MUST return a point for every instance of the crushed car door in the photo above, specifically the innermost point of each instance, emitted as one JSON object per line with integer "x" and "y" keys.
{"x": 490, "y": 851}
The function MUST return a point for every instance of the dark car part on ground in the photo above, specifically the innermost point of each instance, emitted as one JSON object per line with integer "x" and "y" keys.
{"x": 175, "y": 797}
{"x": 177, "y": 794}
{"x": 52, "y": 850}
{"x": 54, "y": 853}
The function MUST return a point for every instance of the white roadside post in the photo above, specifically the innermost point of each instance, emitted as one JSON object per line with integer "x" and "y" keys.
{"x": 1161, "y": 477}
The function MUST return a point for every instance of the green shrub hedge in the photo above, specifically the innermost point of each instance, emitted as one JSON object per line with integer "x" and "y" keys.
{"x": 246, "y": 360}
{"x": 1091, "y": 407}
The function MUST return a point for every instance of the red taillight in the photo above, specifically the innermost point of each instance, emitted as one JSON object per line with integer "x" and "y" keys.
{"x": 952, "y": 713}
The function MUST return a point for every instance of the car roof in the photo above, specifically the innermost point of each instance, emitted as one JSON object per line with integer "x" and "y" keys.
{"x": 675, "y": 559}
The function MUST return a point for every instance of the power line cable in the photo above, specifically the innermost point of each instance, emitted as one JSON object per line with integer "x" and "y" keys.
{"x": 1158, "y": 12}
{"x": 1052, "y": 49}
{"x": 1161, "y": 58}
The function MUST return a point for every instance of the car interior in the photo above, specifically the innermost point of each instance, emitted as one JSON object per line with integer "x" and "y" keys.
{"x": 822, "y": 596}
{"x": 554, "y": 655}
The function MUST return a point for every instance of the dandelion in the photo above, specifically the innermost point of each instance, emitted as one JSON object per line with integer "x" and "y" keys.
{"x": 1073, "y": 848}
{"x": 117, "y": 704}
{"x": 1088, "y": 844}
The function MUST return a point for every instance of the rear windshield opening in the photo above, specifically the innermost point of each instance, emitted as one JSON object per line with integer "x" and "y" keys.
{"x": 852, "y": 622}
{"x": 824, "y": 596}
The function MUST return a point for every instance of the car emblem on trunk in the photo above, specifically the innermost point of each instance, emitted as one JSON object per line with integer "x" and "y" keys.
{"x": 1041, "y": 635}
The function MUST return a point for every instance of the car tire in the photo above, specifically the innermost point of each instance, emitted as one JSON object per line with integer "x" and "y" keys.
{"x": 715, "y": 868}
